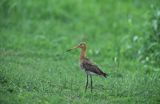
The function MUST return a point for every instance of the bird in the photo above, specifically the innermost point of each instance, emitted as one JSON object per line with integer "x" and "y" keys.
{"x": 88, "y": 66}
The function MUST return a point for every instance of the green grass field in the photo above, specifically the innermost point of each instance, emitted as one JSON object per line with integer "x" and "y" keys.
{"x": 36, "y": 69}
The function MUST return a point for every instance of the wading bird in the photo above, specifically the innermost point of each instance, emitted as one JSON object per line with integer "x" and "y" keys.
{"x": 89, "y": 67}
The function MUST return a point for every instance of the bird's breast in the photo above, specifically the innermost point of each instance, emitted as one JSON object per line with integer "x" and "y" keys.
{"x": 81, "y": 65}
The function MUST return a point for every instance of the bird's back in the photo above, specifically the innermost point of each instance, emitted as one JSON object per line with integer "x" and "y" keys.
{"x": 89, "y": 67}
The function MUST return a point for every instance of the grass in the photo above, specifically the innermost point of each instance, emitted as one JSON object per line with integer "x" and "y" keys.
{"x": 34, "y": 67}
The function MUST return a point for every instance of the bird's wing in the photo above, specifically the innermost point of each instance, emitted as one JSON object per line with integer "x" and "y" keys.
{"x": 89, "y": 66}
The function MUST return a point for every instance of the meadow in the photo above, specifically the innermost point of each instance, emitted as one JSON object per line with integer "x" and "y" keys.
{"x": 122, "y": 36}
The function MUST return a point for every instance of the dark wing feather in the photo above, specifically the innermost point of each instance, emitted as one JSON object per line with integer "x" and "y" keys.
{"x": 89, "y": 66}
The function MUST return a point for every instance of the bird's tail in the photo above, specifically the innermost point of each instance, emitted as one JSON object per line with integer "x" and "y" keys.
{"x": 105, "y": 75}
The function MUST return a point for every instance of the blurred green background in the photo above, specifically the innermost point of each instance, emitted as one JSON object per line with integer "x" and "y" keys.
{"x": 122, "y": 36}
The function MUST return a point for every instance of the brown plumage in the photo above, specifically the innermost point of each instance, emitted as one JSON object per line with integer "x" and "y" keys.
{"x": 89, "y": 67}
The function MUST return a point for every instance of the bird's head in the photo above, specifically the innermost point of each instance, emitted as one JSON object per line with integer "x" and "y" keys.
{"x": 82, "y": 45}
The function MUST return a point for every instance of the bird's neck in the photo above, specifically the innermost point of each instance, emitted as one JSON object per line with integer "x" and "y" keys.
{"x": 83, "y": 53}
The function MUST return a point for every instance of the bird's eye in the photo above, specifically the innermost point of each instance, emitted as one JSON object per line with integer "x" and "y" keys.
{"x": 81, "y": 44}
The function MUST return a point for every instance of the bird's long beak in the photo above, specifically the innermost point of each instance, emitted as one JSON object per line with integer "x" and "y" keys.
{"x": 73, "y": 48}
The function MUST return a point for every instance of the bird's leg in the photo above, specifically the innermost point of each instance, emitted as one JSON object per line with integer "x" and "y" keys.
{"x": 86, "y": 83}
{"x": 91, "y": 83}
